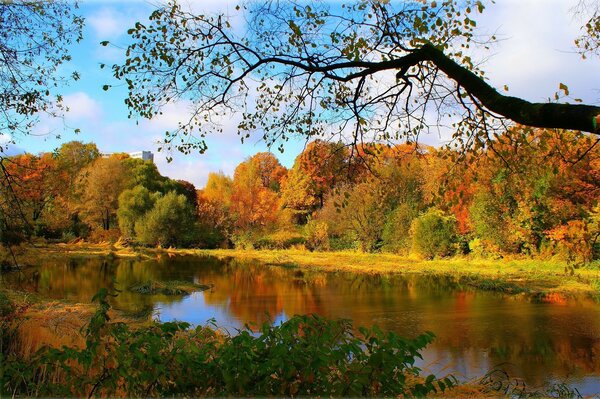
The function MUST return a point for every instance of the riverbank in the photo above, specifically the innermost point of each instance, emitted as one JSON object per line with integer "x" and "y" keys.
{"x": 549, "y": 280}
{"x": 544, "y": 278}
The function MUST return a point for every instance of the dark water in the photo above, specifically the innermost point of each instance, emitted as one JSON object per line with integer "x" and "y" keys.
{"x": 541, "y": 343}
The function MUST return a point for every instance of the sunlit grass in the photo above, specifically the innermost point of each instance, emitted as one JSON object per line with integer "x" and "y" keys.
{"x": 513, "y": 275}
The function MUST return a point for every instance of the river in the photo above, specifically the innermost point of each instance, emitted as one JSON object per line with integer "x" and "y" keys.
{"x": 539, "y": 342}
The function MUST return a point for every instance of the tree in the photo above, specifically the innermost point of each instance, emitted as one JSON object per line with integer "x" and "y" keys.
{"x": 316, "y": 172}
{"x": 169, "y": 222}
{"x": 434, "y": 234}
{"x": 99, "y": 187}
{"x": 34, "y": 38}
{"x": 133, "y": 205}
{"x": 252, "y": 204}
{"x": 271, "y": 172}
{"x": 38, "y": 182}
{"x": 372, "y": 69}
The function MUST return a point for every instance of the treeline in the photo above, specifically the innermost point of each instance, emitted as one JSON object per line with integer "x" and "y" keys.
{"x": 76, "y": 193}
{"x": 532, "y": 192}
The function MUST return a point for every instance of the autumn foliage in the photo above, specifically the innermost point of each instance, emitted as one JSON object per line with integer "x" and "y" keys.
{"x": 528, "y": 192}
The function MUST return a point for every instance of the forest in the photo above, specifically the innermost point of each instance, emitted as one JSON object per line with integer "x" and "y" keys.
{"x": 533, "y": 192}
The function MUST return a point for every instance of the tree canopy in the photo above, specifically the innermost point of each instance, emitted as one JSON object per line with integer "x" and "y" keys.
{"x": 34, "y": 41}
{"x": 368, "y": 71}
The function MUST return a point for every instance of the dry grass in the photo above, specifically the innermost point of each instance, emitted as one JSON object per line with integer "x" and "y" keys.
{"x": 37, "y": 323}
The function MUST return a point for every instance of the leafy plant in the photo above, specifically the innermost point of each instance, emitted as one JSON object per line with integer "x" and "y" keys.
{"x": 307, "y": 355}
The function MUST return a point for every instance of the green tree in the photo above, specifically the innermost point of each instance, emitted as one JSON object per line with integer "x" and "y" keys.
{"x": 133, "y": 205}
{"x": 369, "y": 68}
{"x": 170, "y": 222}
{"x": 434, "y": 234}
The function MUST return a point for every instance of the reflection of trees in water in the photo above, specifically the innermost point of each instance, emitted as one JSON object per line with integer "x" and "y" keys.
{"x": 537, "y": 339}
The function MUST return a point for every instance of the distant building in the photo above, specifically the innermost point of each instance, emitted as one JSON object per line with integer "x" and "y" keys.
{"x": 144, "y": 155}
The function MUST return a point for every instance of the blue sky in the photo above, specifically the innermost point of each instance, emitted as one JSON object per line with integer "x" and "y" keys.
{"x": 534, "y": 55}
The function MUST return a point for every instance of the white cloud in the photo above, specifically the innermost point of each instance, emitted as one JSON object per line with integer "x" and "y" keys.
{"x": 536, "y": 51}
{"x": 107, "y": 23}
{"x": 82, "y": 106}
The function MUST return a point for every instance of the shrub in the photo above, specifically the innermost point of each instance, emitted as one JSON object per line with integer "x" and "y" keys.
{"x": 280, "y": 240}
{"x": 305, "y": 356}
{"x": 484, "y": 249}
{"x": 317, "y": 235}
{"x": 434, "y": 234}
{"x": 343, "y": 243}
{"x": 396, "y": 233}
{"x": 243, "y": 240}
{"x": 6, "y": 305}
{"x": 169, "y": 223}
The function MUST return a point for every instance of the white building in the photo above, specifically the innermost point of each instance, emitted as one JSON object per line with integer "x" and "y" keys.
{"x": 144, "y": 155}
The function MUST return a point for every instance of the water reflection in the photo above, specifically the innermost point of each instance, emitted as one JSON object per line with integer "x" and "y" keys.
{"x": 476, "y": 331}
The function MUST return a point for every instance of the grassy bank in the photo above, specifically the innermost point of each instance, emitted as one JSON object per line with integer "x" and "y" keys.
{"x": 545, "y": 278}
{"x": 548, "y": 279}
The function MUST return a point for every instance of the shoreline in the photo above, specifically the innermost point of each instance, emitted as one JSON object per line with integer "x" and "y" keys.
{"x": 543, "y": 279}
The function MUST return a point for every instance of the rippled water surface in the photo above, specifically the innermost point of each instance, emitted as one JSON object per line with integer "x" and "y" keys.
{"x": 476, "y": 331}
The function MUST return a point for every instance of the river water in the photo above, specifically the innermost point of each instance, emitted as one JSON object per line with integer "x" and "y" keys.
{"x": 539, "y": 342}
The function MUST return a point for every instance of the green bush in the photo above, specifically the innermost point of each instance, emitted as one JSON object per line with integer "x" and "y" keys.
{"x": 171, "y": 222}
{"x": 280, "y": 240}
{"x": 434, "y": 234}
{"x": 305, "y": 356}
{"x": 396, "y": 233}
{"x": 343, "y": 243}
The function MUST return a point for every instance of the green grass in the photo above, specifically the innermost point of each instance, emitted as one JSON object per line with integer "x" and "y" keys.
{"x": 167, "y": 287}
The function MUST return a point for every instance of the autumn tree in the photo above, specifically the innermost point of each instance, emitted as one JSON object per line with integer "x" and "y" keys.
{"x": 530, "y": 183}
{"x": 213, "y": 208}
{"x": 319, "y": 168}
{"x": 252, "y": 204}
{"x": 367, "y": 71}
{"x": 38, "y": 182}
{"x": 269, "y": 169}
{"x": 34, "y": 42}
{"x": 99, "y": 187}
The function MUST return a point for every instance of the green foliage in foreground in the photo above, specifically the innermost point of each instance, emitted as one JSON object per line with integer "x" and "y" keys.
{"x": 307, "y": 355}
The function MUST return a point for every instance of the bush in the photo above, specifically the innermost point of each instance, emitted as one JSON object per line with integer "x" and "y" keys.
{"x": 169, "y": 223}
{"x": 484, "y": 249}
{"x": 317, "y": 235}
{"x": 305, "y": 356}
{"x": 243, "y": 240}
{"x": 343, "y": 243}
{"x": 396, "y": 233}
{"x": 434, "y": 234}
{"x": 280, "y": 240}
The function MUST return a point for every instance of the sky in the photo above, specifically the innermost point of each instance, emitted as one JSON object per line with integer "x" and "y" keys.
{"x": 535, "y": 53}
